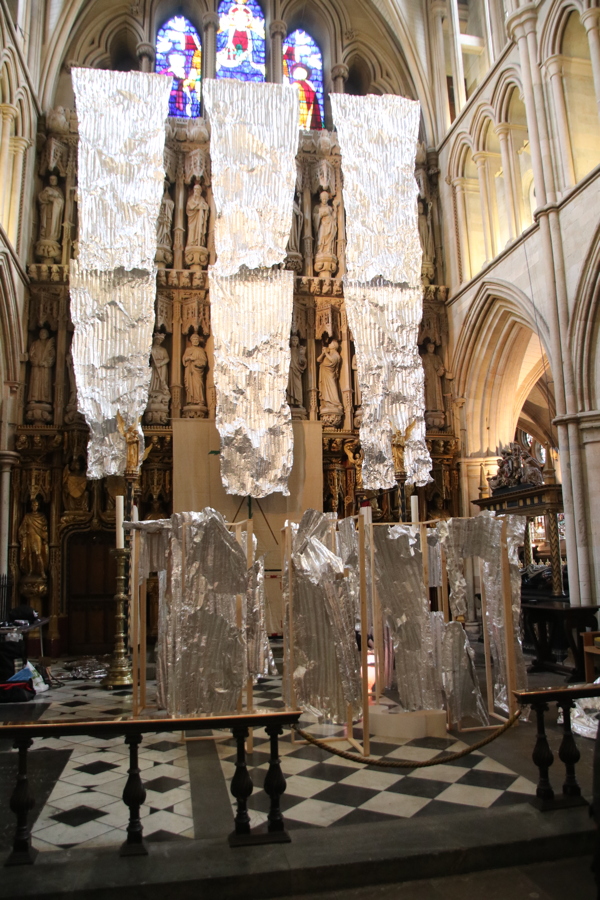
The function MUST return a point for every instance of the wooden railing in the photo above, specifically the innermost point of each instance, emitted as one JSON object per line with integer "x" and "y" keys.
{"x": 134, "y": 793}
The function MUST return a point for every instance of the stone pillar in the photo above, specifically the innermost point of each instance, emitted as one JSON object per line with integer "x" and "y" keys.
{"x": 147, "y": 56}
{"x": 179, "y": 229}
{"x": 458, "y": 75}
{"x": 514, "y": 217}
{"x": 176, "y": 354}
{"x": 339, "y": 76}
{"x": 210, "y": 23}
{"x": 590, "y": 20}
{"x": 463, "y": 239}
{"x": 277, "y": 31}
{"x": 7, "y": 461}
{"x": 480, "y": 160}
{"x": 346, "y": 373}
{"x": 19, "y": 145}
{"x": 8, "y": 114}
{"x": 311, "y": 372}
{"x": 439, "y": 12}
{"x": 555, "y": 72}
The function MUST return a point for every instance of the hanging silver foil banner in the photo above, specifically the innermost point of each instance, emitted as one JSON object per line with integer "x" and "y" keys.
{"x": 120, "y": 168}
{"x": 251, "y": 316}
{"x": 260, "y": 655}
{"x": 405, "y": 606}
{"x": 253, "y": 146}
{"x": 459, "y": 677}
{"x": 326, "y": 661}
{"x": 378, "y": 142}
{"x": 384, "y": 320}
{"x": 121, "y": 119}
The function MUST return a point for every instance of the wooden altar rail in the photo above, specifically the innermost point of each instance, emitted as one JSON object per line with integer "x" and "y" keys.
{"x": 134, "y": 793}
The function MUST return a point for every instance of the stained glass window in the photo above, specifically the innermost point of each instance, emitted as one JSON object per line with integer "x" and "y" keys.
{"x": 241, "y": 40}
{"x": 303, "y": 67}
{"x": 179, "y": 53}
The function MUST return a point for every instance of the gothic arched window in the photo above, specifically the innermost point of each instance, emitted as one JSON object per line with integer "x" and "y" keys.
{"x": 303, "y": 67}
{"x": 179, "y": 54}
{"x": 241, "y": 40}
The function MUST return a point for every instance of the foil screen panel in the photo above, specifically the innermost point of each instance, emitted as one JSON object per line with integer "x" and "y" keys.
{"x": 120, "y": 176}
{"x": 260, "y": 655}
{"x": 251, "y": 316}
{"x": 459, "y": 676}
{"x": 378, "y": 141}
{"x": 254, "y": 141}
{"x": 384, "y": 320}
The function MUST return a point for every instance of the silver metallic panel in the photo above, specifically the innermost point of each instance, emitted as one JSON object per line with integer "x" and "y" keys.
{"x": 260, "y": 655}
{"x": 461, "y": 687}
{"x": 384, "y": 320}
{"x": 253, "y": 146}
{"x": 378, "y": 142}
{"x": 251, "y": 316}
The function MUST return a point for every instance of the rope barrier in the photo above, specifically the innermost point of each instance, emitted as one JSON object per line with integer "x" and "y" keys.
{"x": 407, "y": 763}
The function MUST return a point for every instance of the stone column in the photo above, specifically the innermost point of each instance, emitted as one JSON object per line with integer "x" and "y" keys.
{"x": 514, "y": 218}
{"x": 179, "y": 229}
{"x": 590, "y": 19}
{"x": 458, "y": 75}
{"x": 463, "y": 239}
{"x": 18, "y": 145}
{"x": 147, "y": 56}
{"x": 480, "y": 160}
{"x": 346, "y": 373}
{"x": 7, "y": 461}
{"x": 339, "y": 76}
{"x": 210, "y": 23}
{"x": 277, "y": 31}
{"x": 8, "y": 114}
{"x": 555, "y": 72}
{"x": 176, "y": 354}
{"x": 311, "y": 372}
{"x": 439, "y": 12}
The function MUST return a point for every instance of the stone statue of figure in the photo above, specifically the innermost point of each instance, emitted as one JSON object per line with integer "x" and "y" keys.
{"x": 330, "y": 363}
{"x": 426, "y": 237}
{"x": 195, "y": 362}
{"x": 295, "y": 241}
{"x": 437, "y": 509}
{"x": 42, "y": 356}
{"x": 197, "y": 214}
{"x": 75, "y": 496}
{"x": 356, "y": 382}
{"x": 159, "y": 395}
{"x": 165, "y": 220}
{"x": 298, "y": 365}
{"x": 33, "y": 538}
{"x": 51, "y": 202}
{"x": 325, "y": 225}
{"x": 434, "y": 372}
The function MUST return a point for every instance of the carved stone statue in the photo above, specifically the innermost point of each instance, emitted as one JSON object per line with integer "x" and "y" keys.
{"x": 197, "y": 209}
{"x": 298, "y": 363}
{"x": 195, "y": 363}
{"x": 434, "y": 369}
{"x": 42, "y": 356}
{"x": 427, "y": 244}
{"x": 437, "y": 509}
{"x": 75, "y": 495}
{"x": 33, "y": 540}
{"x": 325, "y": 228}
{"x": 532, "y": 473}
{"x": 164, "y": 238}
{"x": 51, "y": 202}
{"x": 330, "y": 363}
{"x": 159, "y": 395}
{"x": 294, "y": 252}
{"x": 515, "y": 468}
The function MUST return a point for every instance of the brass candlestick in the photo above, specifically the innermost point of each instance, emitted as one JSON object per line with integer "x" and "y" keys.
{"x": 119, "y": 672}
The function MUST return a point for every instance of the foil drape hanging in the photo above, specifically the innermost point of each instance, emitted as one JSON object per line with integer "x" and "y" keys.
{"x": 260, "y": 655}
{"x": 121, "y": 119}
{"x": 378, "y": 136}
{"x": 254, "y": 141}
{"x": 251, "y": 315}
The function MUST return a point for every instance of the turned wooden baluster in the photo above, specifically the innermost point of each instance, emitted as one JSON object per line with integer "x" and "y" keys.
{"x": 275, "y": 783}
{"x": 569, "y": 752}
{"x": 542, "y": 754}
{"x": 21, "y": 803}
{"x": 241, "y": 783}
{"x": 134, "y": 794}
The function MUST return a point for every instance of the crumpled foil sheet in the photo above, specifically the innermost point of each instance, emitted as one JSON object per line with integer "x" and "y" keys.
{"x": 202, "y": 651}
{"x": 120, "y": 173}
{"x": 121, "y": 119}
{"x": 88, "y": 669}
{"x": 326, "y": 661}
{"x": 253, "y": 146}
{"x": 384, "y": 320}
{"x": 113, "y": 315}
{"x": 260, "y": 655}
{"x": 459, "y": 677}
{"x": 378, "y": 142}
{"x": 481, "y": 536}
{"x": 347, "y": 549}
{"x": 405, "y": 606}
{"x": 435, "y": 558}
{"x": 251, "y": 315}
{"x": 585, "y": 716}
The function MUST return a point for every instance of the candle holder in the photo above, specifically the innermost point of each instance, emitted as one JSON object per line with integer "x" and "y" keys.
{"x": 119, "y": 672}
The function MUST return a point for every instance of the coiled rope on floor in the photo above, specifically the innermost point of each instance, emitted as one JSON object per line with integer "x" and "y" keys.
{"x": 386, "y": 763}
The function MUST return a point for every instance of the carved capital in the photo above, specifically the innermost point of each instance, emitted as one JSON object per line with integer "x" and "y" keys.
{"x": 278, "y": 27}
{"x": 210, "y": 20}
{"x": 341, "y": 70}
{"x": 144, "y": 49}
{"x": 590, "y": 18}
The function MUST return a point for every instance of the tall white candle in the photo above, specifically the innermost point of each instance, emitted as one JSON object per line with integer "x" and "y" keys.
{"x": 119, "y": 509}
{"x": 414, "y": 508}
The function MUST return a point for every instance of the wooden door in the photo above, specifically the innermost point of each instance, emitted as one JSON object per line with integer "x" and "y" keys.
{"x": 91, "y": 573}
